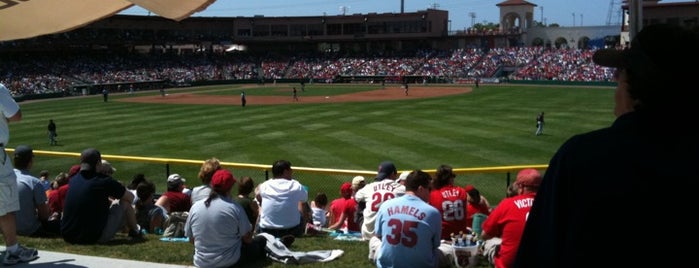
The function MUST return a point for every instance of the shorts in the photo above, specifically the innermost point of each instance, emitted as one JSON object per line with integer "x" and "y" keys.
{"x": 9, "y": 197}
{"x": 115, "y": 221}
{"x": 7, "y": 170}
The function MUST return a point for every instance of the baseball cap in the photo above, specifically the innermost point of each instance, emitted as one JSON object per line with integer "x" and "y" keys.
{"x": 222, "y": 180}
{"x": 528, "y": 177}
{"x": 24, "y": 152}
{"x": 357, "y": 180}
{"x": 469, "y": 188}
{"x": 346, "y": 187}
{"x": 89, "y": 159}
{"x": 175, "y": 178}
{"x": 106, "y": 167}
{"x": 386, "y": 168}
{"x": 403, "y": 176}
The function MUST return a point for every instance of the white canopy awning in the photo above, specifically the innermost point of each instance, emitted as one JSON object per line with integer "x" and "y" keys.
{"x": 20, "y": 19}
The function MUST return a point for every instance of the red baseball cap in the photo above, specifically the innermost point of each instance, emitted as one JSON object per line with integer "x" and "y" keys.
{"x": 222, "y": 180}
{"x": 346, "y": 187}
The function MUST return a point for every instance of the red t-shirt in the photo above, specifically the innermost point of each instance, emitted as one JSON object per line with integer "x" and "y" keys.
{"x": 351, "y": 211}
{"x": 336, "y": 208}
{"x": 62, "y": 192}
{"x": 349, "y": 207}
{"x": 54, "y": 202}
{"x": 450, "y": 200}
{"x": 507, "y": 222}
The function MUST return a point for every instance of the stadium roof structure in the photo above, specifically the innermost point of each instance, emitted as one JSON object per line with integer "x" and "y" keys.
{"x": 26, "y": 19}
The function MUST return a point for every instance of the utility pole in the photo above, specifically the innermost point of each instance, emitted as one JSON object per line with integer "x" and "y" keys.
{"x": 344, "y": 9}
{"x": 434, "y": 6}
{"x": 542, "y": 15}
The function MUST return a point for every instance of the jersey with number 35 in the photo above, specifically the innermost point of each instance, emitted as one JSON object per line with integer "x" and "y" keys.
{"x": 374, "y": 194}
{"x": 410, "y": 230}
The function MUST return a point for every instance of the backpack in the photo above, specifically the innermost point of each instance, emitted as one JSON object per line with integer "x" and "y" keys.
{"x": 175, "y": 224}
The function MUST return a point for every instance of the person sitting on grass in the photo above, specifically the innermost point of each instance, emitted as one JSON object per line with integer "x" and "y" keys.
{"x": 33, "y": 216}
{"x": 214, "y": 245}
{"x": 284, "y": 210}
{"x": 150, "y": 217}
{"x": 319, "y": 207}
{"x": 97, "y": 206}
{"x": 245, "y": 188}
{"x": 58, "y": 203}
{"x": 450, "y": 200}
{"x": 207, "y": 170}
{"x": 343, "y": 209}
{"x": 135, "y": 181}
{"x": 174, "y": 199}
{"x": 477, "y": 203}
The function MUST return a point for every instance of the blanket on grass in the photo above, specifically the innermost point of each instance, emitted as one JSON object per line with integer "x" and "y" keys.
{"x": 280, "y": 253}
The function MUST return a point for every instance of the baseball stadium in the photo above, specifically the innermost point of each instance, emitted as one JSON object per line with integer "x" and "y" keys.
{"x": 158, "y": 95}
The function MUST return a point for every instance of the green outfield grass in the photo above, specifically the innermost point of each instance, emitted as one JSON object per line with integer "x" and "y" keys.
{"x": 492, "y": 126}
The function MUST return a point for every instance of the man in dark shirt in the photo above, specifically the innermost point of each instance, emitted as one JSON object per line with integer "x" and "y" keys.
{"x": 540, "y": 124}
{"x": 52, "y": 133}
{"x": 96, "y": 205}
{"x": 595, "y": 204}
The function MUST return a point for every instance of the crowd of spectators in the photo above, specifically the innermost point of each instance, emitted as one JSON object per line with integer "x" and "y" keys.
{"x": 40, "y": 73}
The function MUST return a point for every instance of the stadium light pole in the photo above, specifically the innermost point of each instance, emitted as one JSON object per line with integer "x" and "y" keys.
{"x": 573, "y": 19}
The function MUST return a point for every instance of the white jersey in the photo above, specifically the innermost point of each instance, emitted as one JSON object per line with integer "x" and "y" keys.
{"x": 374, "y": 194}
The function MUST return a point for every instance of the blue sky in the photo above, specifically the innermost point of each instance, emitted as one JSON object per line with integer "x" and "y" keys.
{"x": 563, "y": 12}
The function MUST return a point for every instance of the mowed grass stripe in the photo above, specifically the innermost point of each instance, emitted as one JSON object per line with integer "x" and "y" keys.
{"x": 493, "y": 125}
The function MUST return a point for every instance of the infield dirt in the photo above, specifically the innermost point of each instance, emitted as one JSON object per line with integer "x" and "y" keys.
{"x": 389, "y": 93}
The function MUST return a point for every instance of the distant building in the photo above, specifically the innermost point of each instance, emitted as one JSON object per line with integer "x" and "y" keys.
{"x": 384, "y": 33}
